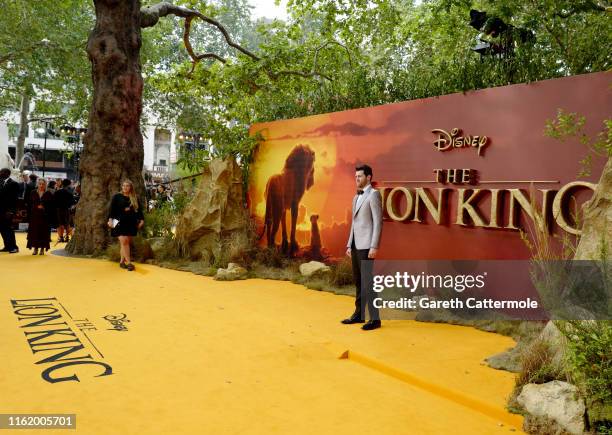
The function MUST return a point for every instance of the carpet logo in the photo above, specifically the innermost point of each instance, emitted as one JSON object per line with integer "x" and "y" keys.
{"x": 58, "y": 348}
{"x": 117, "y": 322}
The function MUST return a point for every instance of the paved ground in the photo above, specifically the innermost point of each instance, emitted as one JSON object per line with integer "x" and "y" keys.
{"x": 255, "y": 356}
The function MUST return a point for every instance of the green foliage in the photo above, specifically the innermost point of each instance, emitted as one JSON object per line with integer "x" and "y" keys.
{"x": 42, "y": 54}
{"x": 162, "y": 220}
{"x": 589, "y": 355}
{"x": 537, "y": 364}
{"x": 569, "y": 126}
{"x": 358, "y": 54}
{"x": 180, "y": 201}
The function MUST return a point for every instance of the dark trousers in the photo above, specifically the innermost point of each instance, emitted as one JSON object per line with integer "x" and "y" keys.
{"x": 6, "y": 230}
{"x": 362, "y": 275}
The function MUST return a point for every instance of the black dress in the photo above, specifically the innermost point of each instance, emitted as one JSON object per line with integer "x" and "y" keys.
{"x": 52, "y": 210}
{"x": 63, "y": 199}
{"x": 39, "y": 229}
{"x": 122, "y": 210}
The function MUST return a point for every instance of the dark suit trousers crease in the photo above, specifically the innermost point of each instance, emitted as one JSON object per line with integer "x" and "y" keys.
{"x": 362, "y": 275}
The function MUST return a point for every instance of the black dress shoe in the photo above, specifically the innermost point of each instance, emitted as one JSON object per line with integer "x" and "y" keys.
{"x": 353, "y": 319}
{"x": 4, "y": 249}
{"x": 13, "y": 251}
{"x": 372, "y": 324}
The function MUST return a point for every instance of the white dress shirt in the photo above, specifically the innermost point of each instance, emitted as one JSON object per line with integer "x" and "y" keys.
{"x": 360, "y": 197}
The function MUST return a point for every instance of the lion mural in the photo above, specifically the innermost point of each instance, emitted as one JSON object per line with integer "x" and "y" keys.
{"x": 285, "y": 191}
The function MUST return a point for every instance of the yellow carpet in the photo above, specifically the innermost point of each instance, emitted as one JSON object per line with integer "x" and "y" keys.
{"x": 256, "y": 356}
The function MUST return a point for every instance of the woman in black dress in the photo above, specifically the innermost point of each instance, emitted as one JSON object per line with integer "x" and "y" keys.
{"x": 125, "y": 219}
{"x": 39, "y": 229}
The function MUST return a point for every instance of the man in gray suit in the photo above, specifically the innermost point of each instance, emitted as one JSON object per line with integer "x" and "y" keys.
{"x": 362, "y": 246}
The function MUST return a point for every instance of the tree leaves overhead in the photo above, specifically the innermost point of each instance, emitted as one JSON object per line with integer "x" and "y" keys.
{"x": 398, "y": 50}
{"x": 331, "y": 55}
{"x": 42, "y": 52}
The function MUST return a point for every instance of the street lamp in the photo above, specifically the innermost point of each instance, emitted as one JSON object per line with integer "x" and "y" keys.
{"x": 46, "y": 122}
{"x": 74, "y": 137}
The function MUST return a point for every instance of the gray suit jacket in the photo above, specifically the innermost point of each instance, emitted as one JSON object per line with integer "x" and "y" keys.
{"x": 366, "y": 224}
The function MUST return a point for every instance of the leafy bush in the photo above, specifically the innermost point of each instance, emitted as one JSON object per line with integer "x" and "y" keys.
{"x": 180, "y": 201}
{"x": 538, "y": 366}
{"x": 160, "y": 221}
{"x": 342, "y": 273}
{"x": 589, "y": 357}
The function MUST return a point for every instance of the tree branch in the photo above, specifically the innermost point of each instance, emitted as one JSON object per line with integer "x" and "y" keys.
{"x": 275, "y": 75}
{"x": 149, "y": 16}
{"x": 47, "y": 118}
{"x": 9, "y": 89}
{"x": 44, "y": 43}
{"x": 325, "y": 44}
{"x": 585, "y": 7}
{"x": 196, "y": 57}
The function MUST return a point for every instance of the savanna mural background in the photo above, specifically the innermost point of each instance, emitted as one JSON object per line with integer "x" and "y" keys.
{"x": 397, "y": 141}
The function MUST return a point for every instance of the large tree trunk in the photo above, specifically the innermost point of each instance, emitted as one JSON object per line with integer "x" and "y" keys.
{"x": 113, "y": 148}
{"x": 24, "y": 112}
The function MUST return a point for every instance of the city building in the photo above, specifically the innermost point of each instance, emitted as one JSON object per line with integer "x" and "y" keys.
{"x": 54, "y": 149}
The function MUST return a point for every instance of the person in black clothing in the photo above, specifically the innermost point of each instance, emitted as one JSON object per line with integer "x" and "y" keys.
{"x": 162, "y": 196}
{"x": 9, "y": 191}
{"x": 52, "y": 210}
{"x": 25, "y": 177}
{"x": 27, "y": 195}
{"x": 39, "y": 230}
{"x": 64, "y": 200}
{"x": 125, "y": 218}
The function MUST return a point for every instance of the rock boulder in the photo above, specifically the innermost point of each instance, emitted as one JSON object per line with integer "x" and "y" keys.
{"x": 312, "y": 267}
{"x": 231, "y": 273}
{"x": 214, "y": 225}
{"x": 556, "y": 401}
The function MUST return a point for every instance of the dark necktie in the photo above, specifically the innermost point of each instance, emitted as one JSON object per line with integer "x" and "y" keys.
{"x": 359, "y": 192}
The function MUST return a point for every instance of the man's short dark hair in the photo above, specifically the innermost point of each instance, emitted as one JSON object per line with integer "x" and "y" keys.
{"x": 66, "y": 182}
{"x": 366, "y": 170}
{"x": 33, "y": 177}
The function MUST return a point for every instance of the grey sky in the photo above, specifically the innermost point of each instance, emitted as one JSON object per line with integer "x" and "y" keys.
{"x": 267, "y": 8}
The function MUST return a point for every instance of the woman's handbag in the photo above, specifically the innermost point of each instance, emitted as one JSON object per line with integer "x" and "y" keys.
{"x": 114, "y": 227}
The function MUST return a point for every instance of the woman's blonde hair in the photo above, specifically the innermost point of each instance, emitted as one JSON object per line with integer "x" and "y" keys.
{"x": 132, "y": 194}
